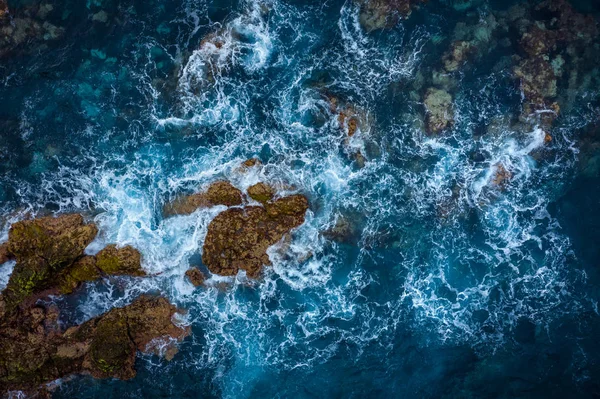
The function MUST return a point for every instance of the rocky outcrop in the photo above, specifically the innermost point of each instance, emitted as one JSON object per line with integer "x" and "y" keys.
{"x": 238, "y": 238}
{"x": 44, "y": 248}
{"x": 49, "y": 258}
{"x": 552, "y": 45}
{"x": 384, "y": 14}
{"x": 439, "y": 110}
{"x": 218, "y": 193}
{"x": 34, "y": 350}
{"x": 195, "y": 276}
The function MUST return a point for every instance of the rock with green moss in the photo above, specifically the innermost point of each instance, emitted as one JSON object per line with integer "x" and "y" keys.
{"x": 238, "y": 238}
{"x": 82, "y": 270}
{"x": 261, "y": 192}
{"x": 218, "y": 193}
{"x": 43, "y": 249}
{"x": 120, "y": 261}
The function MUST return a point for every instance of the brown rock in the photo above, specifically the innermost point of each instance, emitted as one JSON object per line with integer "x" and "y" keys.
{"x": 238, "y": 238}
{"x": 195, "y": 276}
{"x": 5, "y": 254}
{"x": 218, "y": 193}
{"x": 261, "y": 192}
{"x": 120, "y": 261}
{"x": 44, "y": 248}
{"x": 33, "y": 350}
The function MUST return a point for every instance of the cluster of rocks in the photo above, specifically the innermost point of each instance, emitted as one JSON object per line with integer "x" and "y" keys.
{"x": 35, "y": 349}
{"x": 28, "y": 26}
{"x": 238, "y": 238}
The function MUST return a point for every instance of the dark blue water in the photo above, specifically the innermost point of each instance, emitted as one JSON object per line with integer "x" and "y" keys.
{"x": 446, "y": 286}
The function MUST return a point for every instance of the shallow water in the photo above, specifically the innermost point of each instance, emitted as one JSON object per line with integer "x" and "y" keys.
{"x": 446, "y": 289}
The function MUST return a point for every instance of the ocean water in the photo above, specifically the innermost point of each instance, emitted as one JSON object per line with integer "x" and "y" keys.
{"x": 446, "y": 288}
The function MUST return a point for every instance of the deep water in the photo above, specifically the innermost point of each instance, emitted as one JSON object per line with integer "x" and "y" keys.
{"x": 445, "y": 288}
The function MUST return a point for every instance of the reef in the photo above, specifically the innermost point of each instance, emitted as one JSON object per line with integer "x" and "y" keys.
{"x": 34, "y": 349}
{"x": 218, "y": 193}
{"x": 238, "y": 238}
{"x": 384, "y": 14}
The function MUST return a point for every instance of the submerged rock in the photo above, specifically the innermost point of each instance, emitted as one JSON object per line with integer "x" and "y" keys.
{"x": 195, "y": 276}
{"x": 34, "y": 350}
{"x": 218, "y": 193}
{"x": 238, "y": 238}
{"x": 438, "y": 105}
{"x": 384, "y": 14}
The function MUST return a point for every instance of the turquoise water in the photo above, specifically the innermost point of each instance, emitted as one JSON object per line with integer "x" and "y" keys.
{"x": 446, "y": 288}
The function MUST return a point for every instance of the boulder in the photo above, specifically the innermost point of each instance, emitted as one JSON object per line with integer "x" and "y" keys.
{"x": 218, "y": 193}
{"x": 261, "y": 192}
{"x": 120, "y": 261}
{"x": 238, "y": 238}
{"x": 195, "y": 276}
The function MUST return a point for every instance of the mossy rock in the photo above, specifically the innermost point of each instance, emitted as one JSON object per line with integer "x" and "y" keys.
{"x": 43, "y": 248}
{"x": 261, "y": 192}
{"x": 80, "y": 271}
{"x": 120, "y": 261}
{"x": 112, "y": 352}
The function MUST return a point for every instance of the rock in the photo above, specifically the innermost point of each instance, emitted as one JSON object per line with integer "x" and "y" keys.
{"x": 5, "y": 254}
{"x": 501, "y": 176}
{"x": 238, "y": 238}
{"x": 218, "y": 193}
{"x": 43, "y": 248}
{"x": 384, "y": 14}
{"x": 3, "y": 9}
{"x": 195, "y": 276}
{"x": 82, "y": 270}
{"x": 438, "y": 105}
{"x": 261, "y": 192}
{"x": 34, "y": 351}
{"x": 459, "y": 51}
{"x": 120, "y": 261}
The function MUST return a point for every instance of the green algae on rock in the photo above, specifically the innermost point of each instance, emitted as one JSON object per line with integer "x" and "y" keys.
{"x": 261, "y": 192}
{"x": 238, "y": 238}
{"x": 218, "y": 193}
{"x": 120, "y": 261}
{"x": 43, "y": 249}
